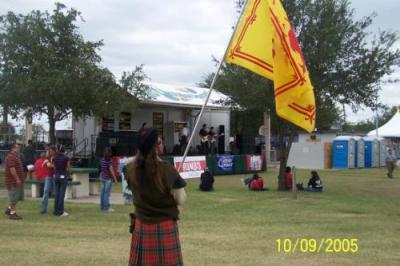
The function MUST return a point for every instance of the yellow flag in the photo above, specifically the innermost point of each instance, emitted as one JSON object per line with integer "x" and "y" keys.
{"x": 266, "y": 44}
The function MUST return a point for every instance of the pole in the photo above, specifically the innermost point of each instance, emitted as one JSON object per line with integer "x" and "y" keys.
{"x": 267, "y": 136}
{"x": 294, "y": 188}
{"x": 376, "y": 122}
{"x": 210, "y": 91}
{"x": 28, "y": 126}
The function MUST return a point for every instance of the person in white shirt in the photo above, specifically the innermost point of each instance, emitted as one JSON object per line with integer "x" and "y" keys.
{"x": 184, "y": 138}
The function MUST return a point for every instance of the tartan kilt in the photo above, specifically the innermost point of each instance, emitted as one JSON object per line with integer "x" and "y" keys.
{"x": 155, "y": 244}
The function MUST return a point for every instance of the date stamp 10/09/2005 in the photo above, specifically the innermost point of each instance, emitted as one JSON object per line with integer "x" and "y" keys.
{"x": 312, "y": 245}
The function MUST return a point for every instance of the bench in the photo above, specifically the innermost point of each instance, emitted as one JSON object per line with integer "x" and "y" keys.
{"x": 69, "y": 193}
{"x": 94, "y": 185}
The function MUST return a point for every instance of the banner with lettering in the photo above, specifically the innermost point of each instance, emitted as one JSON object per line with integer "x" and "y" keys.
{"x": 193, "y": 166}
{"x": 254, "y": 162}
{"x": 225, "y": 163}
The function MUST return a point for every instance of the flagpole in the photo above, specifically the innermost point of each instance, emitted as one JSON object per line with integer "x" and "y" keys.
{"x": 210, "y": 90}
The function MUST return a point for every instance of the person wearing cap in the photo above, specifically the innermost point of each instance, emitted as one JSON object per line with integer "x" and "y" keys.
{"x": 158, "y": 190}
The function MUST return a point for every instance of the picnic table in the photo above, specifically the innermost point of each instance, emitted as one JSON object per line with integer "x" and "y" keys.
{"x": 82, "y": 175}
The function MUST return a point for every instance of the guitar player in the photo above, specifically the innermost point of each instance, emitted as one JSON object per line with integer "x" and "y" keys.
{"x": 203, "y": 134}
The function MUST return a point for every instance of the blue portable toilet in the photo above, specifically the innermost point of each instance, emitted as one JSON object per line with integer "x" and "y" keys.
{"x": 344, "y": 150}
{"x": 360, "y": 152}
{"x": 372, "y": 152}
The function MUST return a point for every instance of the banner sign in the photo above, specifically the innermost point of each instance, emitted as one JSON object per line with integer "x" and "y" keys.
{"x": 193, "y": 166}
{"x": 254, "y": 162}
{"x": 225, "y": 163}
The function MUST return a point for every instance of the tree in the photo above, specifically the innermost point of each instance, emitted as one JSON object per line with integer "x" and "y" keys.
{"x": 344, "y": 66}
{"x": 52, "y": 70}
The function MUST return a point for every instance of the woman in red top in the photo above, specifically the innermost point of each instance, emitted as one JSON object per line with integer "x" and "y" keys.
{"x": 41, "y": 171}
{"x": 288, "y": 178}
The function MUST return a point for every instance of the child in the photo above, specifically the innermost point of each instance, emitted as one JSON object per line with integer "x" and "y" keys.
{"x": 107, "y": 174}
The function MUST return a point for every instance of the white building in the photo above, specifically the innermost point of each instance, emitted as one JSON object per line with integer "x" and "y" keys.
{"x": 312, "y": 151}
{"x": 167, "y": 110}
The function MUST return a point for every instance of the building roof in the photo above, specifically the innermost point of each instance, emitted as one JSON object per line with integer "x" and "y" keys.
{"x": 184, "y": 96}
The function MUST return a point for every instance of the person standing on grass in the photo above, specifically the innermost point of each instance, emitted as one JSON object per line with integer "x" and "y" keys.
{"x": 390, "y": 160}
{"x": 49, "y": 179}
{"x": 62, "y": 169}
{"x": 41, "y": 172}
{"x": 28, "y": 154}
{"x": 158, "y": 189}
{"x": 14, "y": 181}
{"x": 107, "y": 175}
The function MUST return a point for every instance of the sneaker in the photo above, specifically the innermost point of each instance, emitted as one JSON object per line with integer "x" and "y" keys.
{"x": 64, "y": 214}
{"x": 43, "y": 212}
{"x": 15, "y": 216}
{"x": 7, "y": 211}
{"x": 242, "y": 179}
{"x": 110, "y": 210}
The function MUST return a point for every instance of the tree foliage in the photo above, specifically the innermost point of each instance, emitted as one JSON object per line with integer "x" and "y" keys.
{"x": 48, "y": 67}
{"x": 347, "y": 65}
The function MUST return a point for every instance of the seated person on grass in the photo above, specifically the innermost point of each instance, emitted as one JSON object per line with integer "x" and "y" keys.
{"x": 254, "y": 183}
{"x": 314, "y": 184}
{"x": 288, "y": 178}
{"x": 257, "y": 184}
{"x": 247, "y": 181}
{"x": 206, "y": 181}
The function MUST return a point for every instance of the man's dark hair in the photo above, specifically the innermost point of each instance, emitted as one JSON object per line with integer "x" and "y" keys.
{"x": 30, "y": 142}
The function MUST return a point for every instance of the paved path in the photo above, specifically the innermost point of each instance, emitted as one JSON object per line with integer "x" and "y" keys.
{"x": 115, "y": 198}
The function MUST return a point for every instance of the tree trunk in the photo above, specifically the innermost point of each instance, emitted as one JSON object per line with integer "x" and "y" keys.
{"x": 284, "y": 155}
{"x": 52, "y": 125}
{"x": 5, "y": 115}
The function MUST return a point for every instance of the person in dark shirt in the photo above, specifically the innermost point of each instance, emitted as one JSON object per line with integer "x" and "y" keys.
{"x": 158, "y": 189}
{"x": 212, "y": 140}
{"x": 107, "y": 175}
{"x": 206, "y": 181}
{"x": 28, "y": 154}
{"x": 62, "y": 170}
{"x": 315, "y": 183}
{"x": 203, "y": 134}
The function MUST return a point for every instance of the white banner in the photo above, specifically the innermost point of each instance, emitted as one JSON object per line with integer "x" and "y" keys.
{"x": 193, "y": 166}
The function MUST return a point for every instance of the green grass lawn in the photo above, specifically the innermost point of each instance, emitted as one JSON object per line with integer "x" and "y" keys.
{"x": 231, "y": 226}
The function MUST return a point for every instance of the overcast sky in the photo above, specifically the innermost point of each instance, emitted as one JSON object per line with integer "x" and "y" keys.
{"x": 176, "y": 39}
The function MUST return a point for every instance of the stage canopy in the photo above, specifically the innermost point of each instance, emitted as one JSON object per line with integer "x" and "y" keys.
{"x": 389, "y": 130}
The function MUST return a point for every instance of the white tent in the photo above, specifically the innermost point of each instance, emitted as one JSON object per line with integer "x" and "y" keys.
{"x": 390, "y": 129}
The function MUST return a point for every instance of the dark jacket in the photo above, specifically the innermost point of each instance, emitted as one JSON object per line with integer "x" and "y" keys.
{"x": 206, "y": 181}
